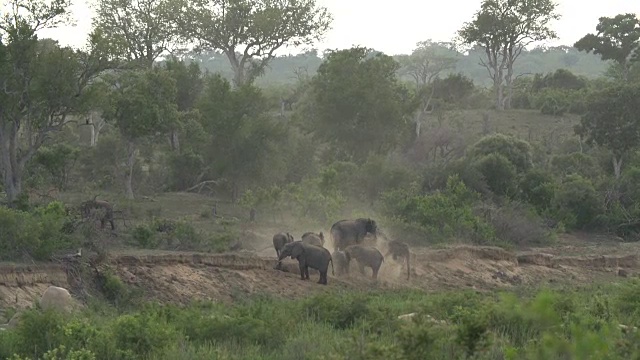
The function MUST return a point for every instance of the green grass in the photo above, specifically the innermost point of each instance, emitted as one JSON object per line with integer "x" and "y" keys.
{"x": 545, "y": 323}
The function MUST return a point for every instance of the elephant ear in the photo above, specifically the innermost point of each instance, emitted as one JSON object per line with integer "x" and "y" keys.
{"x": 296, "y": 251}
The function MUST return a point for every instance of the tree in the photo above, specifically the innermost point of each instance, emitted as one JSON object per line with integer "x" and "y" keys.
{"x": 617, "y": 39}
{"x": 612, "y": 121}
{"x": 142, "y": 104}
{"x": 189, "y": 84}
{"x": 43, "y": 83}
{"x": 241, "y": 134}
{"x": 427, "y": 61}
{"x": 503, "y": 28}
{"x": 138, "y": 31}
{"x": 249, "y": 32}
{"x": 356, "y": 103}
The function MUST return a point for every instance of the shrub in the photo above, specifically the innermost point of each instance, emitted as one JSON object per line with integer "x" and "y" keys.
{"x": 576, "y": 202}
{"x": 538, "y": 188}
{"x": 517, "y": 151}
{"x": 498, "y": 173}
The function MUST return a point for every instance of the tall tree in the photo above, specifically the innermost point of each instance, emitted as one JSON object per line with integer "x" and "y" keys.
{"x": 503, "y": 28}
{"x": 612, "y": 121}
{"x": 249, "y": 32}
{"x": 142, "y": 104}
{"x": 139, "y": 31}
{"x": 356, "y": 102}
{"x": 241, "y": 134}
{"x": 617, "y": 39}
{"x": 427, "y": 61}
{"x": 43, "y": 83}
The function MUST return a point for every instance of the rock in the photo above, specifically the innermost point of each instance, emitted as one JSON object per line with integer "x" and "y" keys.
{"x": 56, "y": 298}
{"x": 407, "y": 316}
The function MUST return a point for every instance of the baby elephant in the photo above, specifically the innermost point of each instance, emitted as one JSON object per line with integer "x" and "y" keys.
{"x": 339, "y": 257}
{"x": 313, "y": 238}
{"x": 280, "y": 240}
{"x": 309, "y": 256}
{"x": 366, "y": 256}
{"x": 399, "y": 249}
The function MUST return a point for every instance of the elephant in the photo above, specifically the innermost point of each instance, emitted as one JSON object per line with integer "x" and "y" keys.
{"x": 308, "y": 256}
{"x": 340, "y": 259}
{"x": 280, "y": 240}
{"x": 366, "y": 256}
{"x": 87, "y": 206}
{"x": 399, "y": 249}
{"x": 352, "y": 232}
{"x": 313, "y": 238}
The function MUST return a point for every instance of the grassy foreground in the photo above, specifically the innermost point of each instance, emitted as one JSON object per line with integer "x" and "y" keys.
{"x": 525, "y": 324}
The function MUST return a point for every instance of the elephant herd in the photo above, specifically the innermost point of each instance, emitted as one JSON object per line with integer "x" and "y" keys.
{"x": 348, "y": 242}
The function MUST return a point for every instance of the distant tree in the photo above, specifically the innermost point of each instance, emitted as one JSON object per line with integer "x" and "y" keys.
{"x": 141, "y": 104}
{"x": 189, "y": 85}
{"x": 427, "y": 61}
{"x": 517, "y": 151}
{"x": 503, "y": 28}
{"x": 43, "y": 84}
{"x": 357, "y": 104}
{"x": 612, "y": 121}
{"x": 560, "y": 79}
{"x": 249, "y": 32}
{"x": 453, "y": 89}
{"x": 138, "y": 31}
{"x": 617, "y": 39}
{"x": 241, "y": 134}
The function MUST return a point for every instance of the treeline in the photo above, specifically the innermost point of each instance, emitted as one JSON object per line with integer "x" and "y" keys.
{"x": 284, "y": 70}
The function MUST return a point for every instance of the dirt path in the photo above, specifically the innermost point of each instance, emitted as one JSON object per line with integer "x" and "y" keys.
{"x": 184, "y": 276}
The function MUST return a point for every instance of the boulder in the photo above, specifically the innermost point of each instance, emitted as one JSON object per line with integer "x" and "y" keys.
{"x": 56, "y": 298}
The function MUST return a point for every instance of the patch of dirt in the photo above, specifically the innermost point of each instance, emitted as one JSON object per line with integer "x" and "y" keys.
{"x": 181, "y": 277}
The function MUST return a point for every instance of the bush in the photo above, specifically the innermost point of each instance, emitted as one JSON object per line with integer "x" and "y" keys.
{"x": 517, "y": 151}
{"x": 38, "y": 233}
{"x": 499, "y": 174}
{"x": 577, "y": 203}
{"x": 538, "y": 188}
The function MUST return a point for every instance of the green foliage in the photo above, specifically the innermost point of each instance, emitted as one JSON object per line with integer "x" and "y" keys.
{"x": 455, "y": 324}
{"x": 443, "y": 215}
{"x": 611, "y": 119}
{"x": 617, "y": 39}
{"x": 576, "y": 202}
{"x": 538, "y": 188}
{"x": 185, "y": 169}
{"x": 358, "y": 105}
{"x": 37, "y": 233}
{"x": 499, "y": 173}
{"x": 58, "y": 160}
{"x": 517, "y": 151}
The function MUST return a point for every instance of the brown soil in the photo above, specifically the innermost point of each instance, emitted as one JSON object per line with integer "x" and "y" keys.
{"x": 180, "y": 277}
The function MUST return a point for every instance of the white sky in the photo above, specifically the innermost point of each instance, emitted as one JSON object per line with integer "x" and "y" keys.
{"x": 397, "y": 28}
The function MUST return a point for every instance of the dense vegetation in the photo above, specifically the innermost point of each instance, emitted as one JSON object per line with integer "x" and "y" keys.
{"x": 538, "y": 324}
{"x": 425, "y": 143}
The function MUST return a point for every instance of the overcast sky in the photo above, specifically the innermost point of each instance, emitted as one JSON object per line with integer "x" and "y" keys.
{"x": 397, "y": 28}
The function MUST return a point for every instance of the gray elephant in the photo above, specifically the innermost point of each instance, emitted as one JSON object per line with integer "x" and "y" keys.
{"x": 399, "y": 249}
{"x": 308, "y": 256}
{"x": 280, "y": 240}
{"x": 366, "y": 256}
{"x": 313, "y": 238}
{"x": 352, "y": 232}
{"x": 340, "y": 260}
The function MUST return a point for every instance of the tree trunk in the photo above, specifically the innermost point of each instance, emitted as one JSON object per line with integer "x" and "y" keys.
{"x": 509, "y": 84}
{"x": 12, "y": 174}
{"x": 174, "y": 140}
{"x": 128, "y": 183}
{"x": 617, "y": 166}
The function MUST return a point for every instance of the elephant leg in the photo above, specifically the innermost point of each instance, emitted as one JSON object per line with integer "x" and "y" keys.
{"x": 301, "y": 266}
{"x": 101, "y": 223}
{"x": 323, "y": 278}
{"x": 113, "y": 226}
{"x": 361, "y": 268}
{"x": 306, "y": 272}
{"x": 375, "y": 272}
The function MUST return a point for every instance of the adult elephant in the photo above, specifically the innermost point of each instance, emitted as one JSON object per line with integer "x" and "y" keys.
{"x": 351, "y": 232}
{"x": 308, "y": 256}
{"x": 398, "y": 249}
